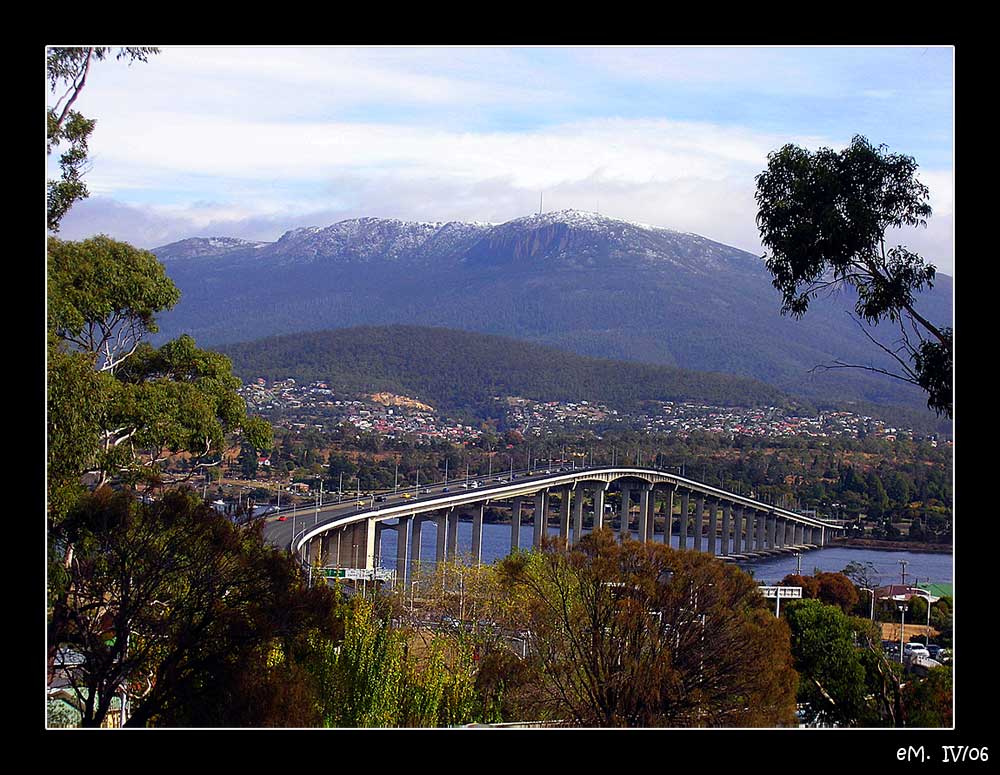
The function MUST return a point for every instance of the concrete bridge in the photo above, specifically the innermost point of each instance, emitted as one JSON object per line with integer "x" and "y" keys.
{"x": 705, "y": 518}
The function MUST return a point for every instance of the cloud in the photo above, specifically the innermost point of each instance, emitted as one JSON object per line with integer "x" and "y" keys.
{"x": 249, "y": 142}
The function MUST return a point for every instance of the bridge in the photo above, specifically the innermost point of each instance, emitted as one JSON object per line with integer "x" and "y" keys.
{"x": 731, "y": 526}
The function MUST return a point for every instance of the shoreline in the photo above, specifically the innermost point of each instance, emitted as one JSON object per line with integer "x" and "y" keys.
{"x": 891, "y": 546}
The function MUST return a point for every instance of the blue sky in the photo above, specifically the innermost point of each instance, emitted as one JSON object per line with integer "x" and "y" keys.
{"x": 250, "y": 142}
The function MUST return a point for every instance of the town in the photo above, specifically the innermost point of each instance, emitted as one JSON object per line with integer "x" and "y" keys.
{"x": 315, "y": 405}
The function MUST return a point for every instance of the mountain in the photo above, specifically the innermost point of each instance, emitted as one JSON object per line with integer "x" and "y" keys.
{"x": 461, "y": 372}
{"x": 577, "y": 281}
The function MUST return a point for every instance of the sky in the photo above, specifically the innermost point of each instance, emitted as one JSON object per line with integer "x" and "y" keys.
{"x": 253, "y": 141}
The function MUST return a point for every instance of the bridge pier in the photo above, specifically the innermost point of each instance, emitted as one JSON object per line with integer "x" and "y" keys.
{"x": 644, "y": 514}
{"x": 515, "y": 524}
{"x": 668, "y": 514}
{"x": 565, "y": 496}
{"x": 699, "y": 520}
{"x": 578, "y": 494}
{"x": 441, "y": 522}
{"x": 451, "y": 551}
{"x": 541, "y": 517}
{"x": 415, "y": 548}
{"x": 769, "y": 534}
{"x": 682, "y": 541}
{"x": 402, "y": 542}
{"x": 599, "y": 508}
{"x": 713, "y": 524}
{"x": 727, "y": 509}
{"x": 626, "y": 507}
{"x": 477, "y": 534}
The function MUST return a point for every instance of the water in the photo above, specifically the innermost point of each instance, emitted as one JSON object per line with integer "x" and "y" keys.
{"x": 920, "y": 566}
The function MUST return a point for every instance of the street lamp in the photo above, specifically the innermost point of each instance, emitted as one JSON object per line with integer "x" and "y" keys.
{"x": 902, "y": 628}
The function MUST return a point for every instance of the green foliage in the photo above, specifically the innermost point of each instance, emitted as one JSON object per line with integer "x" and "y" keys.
{"x": 832, "y": 674}
{"x": 103, "y": 297}
{"x": 460, "y": 372}
{"x": 176, "y": 603}
{"x": 66, "y": 69}
{"x": 824, "y": 216}
{"x": 928, "y": 702}
{"x": 371, "y": 679}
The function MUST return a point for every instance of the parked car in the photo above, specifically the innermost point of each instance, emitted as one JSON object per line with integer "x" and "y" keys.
{"x": 915, "y": 650}
{"x": 379, "y": 498}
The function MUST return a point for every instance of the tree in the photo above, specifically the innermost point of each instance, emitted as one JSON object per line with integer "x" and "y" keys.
{"x": 642, "y": 635}
{"x": 103, "y": 296}
{"x": 836, "y": 681}
{"x": 823, "y": 216}
{"x": 66, "y": 70}
{"x": 171, "y": 602}
{"x": 927, "y": 702}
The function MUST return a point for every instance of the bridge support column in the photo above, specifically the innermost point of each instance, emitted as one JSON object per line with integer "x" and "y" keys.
{"x": 782, "y": 529}
{"x": 402, "y": 542}
{"x": 541, "y": 517}
{"x": 651, "y": 514}
{"x": 577, "y": 514}
{"x": 644, "y": 521}
{"x": 822, "y": 536}
{"x": 312, "y": 551}
{"x": 759, "y": 523}
{"x": 668, "y": 514}
{"x": 623, "y": 526}
{"x": 441, "y": 521}
{"x": 798, "y": 534}
{"x": 598, "y": 508}
{"x": 377, "y": 549}
{"x": 769, "y": 531}
{"x": 738, "y": 530}
{"x": 515, "y": 524}
{"x": 370, "y": 536}
{"x": 452, "y": 550}
{"x": 477, "y": 534}
{"x": 727, "y": 509}
{"x": 418, "y": 523}
{"x": 713, "y": 524}
{"x": 324, "y": 549}
{"x": 565, "y": 496}
{"x": 682, "y": 542}
{"x": 699, "y": 520}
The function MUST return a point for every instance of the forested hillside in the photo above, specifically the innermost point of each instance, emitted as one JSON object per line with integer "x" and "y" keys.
{"x": 459, "y": 371}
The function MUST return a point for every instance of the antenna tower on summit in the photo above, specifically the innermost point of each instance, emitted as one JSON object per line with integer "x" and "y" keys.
{"x": 540, "y": 202}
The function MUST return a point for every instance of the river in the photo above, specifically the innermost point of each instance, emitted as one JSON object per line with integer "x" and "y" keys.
{"x": 920, "y": 566}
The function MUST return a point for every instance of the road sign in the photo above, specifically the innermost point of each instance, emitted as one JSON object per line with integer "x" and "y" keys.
{"x": 781, "y": 591}
{"x": 358, "y": 574}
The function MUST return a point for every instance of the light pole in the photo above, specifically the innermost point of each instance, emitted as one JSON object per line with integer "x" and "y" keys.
{"x": 902, "y": 626}
{"x": 872, "y": 591}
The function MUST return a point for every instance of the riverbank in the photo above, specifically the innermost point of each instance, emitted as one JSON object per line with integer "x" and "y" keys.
{"x": 890, "y": 546}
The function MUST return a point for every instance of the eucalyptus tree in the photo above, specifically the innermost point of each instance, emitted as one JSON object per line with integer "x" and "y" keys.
{"x": 144, "y": 403}
{"x": 824, "y": 217}
{"x": 66, "y": 70}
